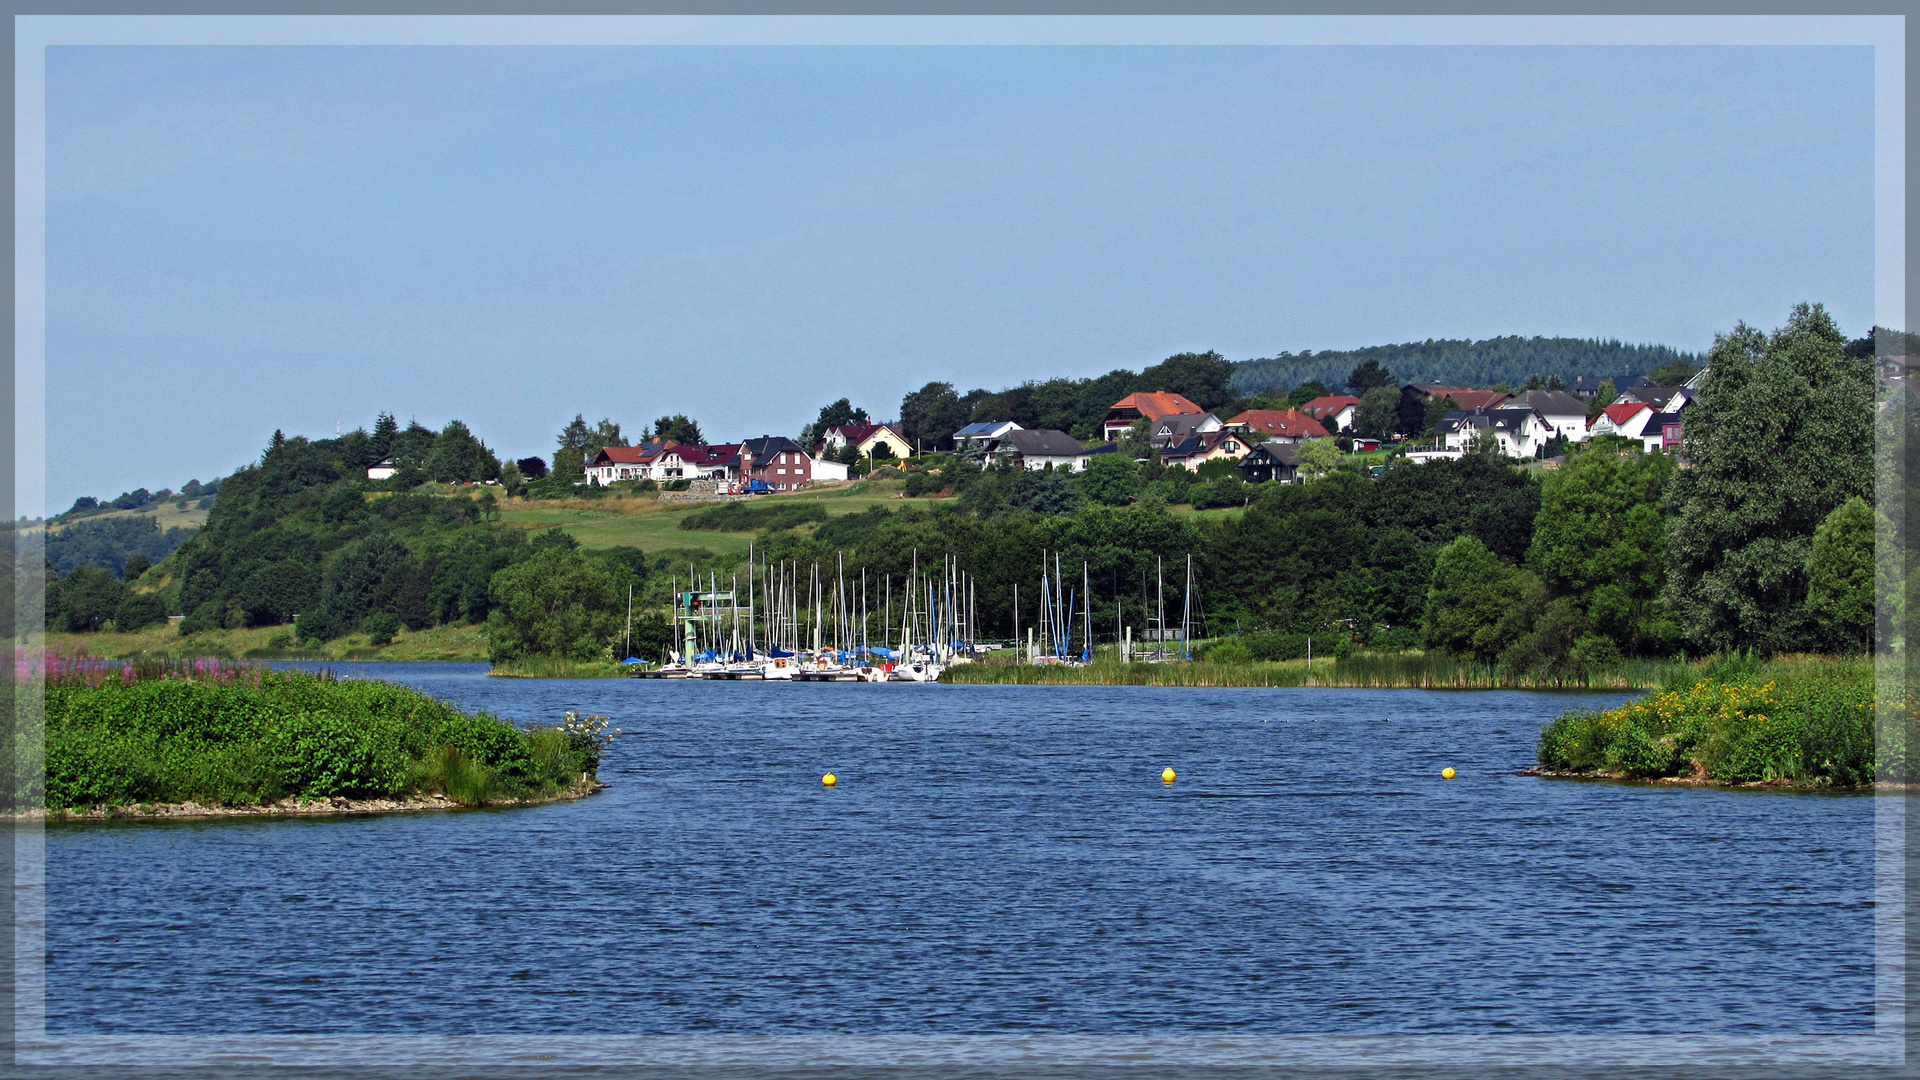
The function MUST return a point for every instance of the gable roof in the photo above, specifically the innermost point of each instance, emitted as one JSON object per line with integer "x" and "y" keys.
{"x": 1659, "y": 396}
{"x": 1043, "y": 442}
{"x": 1287, "y": 454}
{"x": 1293, "y": 422}
{"x": 1509, "y": 420}
{"x": 1155, "y": 404}
{"x": 1547, "y": 403}
{"x": 987, "y": 430}
{"x": 624, "y": 455}
{"x": 709, "y": 455}
{"x": 1330, "y": 405}
{"x": 1477, "y": 399}
{"x": 766, "y": 446}
{"x": 1622, "y": 412}
{"x": 1181, "y": 424}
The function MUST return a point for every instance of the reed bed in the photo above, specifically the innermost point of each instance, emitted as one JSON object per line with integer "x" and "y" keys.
{"x": 557, "y": 667}
{"x": 1361, "y": 670}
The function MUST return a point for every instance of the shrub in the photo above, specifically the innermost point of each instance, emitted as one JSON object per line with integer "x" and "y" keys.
{"x": 139, "y": 611}
{"x": 1230, "y": 651}
{"x": 381, "y": 627}
{"x": 746, "y": 517}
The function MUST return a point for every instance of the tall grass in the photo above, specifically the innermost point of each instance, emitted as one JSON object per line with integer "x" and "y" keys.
{"x": 558, "y": 667}
{"x": 221, "y": 734}
{"x": 1359, "y": 670}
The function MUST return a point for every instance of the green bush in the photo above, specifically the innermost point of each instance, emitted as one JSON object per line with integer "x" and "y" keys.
{"x": 1230, "y": 651}
{"x": 139, "y": 611}
{"x": 381, "y": 626}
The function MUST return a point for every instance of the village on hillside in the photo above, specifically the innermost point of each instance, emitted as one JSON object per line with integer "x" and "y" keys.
{"x": 1426, "y": 421}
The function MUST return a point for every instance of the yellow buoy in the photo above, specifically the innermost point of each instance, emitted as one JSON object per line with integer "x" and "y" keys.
{"x": 1446, "y": 773}
{"x": 1166, "y": 775}
{"x": 830, "y": 779}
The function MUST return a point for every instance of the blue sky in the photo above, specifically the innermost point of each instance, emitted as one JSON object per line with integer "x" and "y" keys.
{"x": 248, "y": 238}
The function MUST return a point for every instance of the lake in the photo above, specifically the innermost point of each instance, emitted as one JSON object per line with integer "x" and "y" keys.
{"x": 1000, "y": 874}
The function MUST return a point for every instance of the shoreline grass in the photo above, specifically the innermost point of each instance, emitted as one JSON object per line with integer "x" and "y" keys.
{"x": 1361, "y": 670}
{"x": 555, "y": 667}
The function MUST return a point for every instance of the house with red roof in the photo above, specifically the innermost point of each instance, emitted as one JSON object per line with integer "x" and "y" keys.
{"x": 610, "y": 464}
{"x": 1627, "y": 418}
{"x": 1147, "y": 405}
{"x": 1334, "y": 411}
{"x": 1278, "y": 425}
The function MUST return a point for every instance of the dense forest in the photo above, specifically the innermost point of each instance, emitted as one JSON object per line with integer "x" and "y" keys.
{"x": 1511, "y": 360}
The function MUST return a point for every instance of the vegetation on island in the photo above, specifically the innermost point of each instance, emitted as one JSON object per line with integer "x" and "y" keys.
{"x": 216, "y": 734}
{"x": 1799, "y": 722}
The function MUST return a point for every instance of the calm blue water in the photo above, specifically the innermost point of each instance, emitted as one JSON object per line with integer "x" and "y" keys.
{"x": 995, "y": 860}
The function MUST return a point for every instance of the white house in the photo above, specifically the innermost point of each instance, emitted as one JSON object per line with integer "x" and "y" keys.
{"x": 1520, "y": 433}
{"x": 382, "y": 469}
{"x": 1563, "y": 413}
{"x": 1626, "y": 418}
{"x": 976, "y": 440}
{"x": 1176, "y": 428}
{"x": 1039, "y": 449}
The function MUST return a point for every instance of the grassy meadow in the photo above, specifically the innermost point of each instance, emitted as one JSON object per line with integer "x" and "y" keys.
{"x": 467, "y": 643}
{"x": 647, "y": 523}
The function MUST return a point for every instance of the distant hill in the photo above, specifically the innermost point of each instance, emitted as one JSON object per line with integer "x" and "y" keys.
{"x": 1473, "y": 363}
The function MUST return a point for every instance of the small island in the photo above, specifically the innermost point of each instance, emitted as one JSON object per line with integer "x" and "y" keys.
{"x": 211, "y": 738}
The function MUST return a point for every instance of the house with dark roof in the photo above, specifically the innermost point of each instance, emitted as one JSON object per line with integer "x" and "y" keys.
{"x": 1271, "y": 461}
{"x": 1151, "y": 405}
{"x": 1663, "y": 433}
{"x": 1520, "y": 433}
{"x": 1278, "y": 425}
{"x": 1662, "y": 398}
{"x": 1565, "y": 414}
{"x": 1196, "y": 450}
{"x": 779, "y": 462}
{"x": 1176, "y": 428}
{"x": 978, "y": 440}
{"x": 1037, "y": 449}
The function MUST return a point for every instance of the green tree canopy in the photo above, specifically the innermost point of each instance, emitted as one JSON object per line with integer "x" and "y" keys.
{"x": 930, "y": 415}
{"x": 1600, "y": 536}
{"x": 560, "y": 603}
{"x": 1780, "y": 437}
{"x": 1379, "y": 413}
{"x": 1840, "y": 581}
{"x": 1199, "y": 377}
{"x": 837, "y": 414}
{"x": 1370, "y": 376}
{"x": 677, "y": 428}
{"x": 1471, "y": 594}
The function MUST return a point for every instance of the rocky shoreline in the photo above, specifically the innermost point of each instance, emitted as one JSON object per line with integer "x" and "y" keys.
{"x": 1700, "y": 779}
{"x": 296, "y": 807}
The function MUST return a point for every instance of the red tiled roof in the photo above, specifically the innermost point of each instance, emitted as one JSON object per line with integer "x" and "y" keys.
{"x": 1156, "y": 403}
{"x": 1293, "y": 422}
{"x": 1322, "y": 407}
{"x": 622, "y": 455}
{"x": 1623, "y": 412}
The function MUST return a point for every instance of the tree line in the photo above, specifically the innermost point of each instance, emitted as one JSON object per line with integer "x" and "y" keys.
{"x": 1765, "y": 542}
